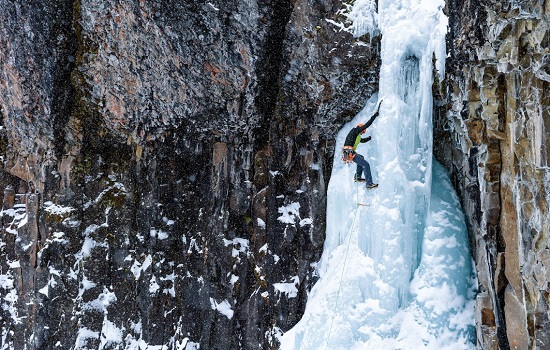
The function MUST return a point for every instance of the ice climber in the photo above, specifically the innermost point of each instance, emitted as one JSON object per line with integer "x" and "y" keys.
{"x": 349, "y": 155}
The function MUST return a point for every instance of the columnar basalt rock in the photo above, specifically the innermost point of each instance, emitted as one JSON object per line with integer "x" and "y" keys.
{"x": 496, "y": 127}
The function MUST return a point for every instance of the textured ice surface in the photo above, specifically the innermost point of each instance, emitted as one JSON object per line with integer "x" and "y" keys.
{"x": 396, "y": 274}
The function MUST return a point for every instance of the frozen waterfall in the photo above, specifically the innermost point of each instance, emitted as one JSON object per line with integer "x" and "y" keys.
{"x": 396, "y": 274}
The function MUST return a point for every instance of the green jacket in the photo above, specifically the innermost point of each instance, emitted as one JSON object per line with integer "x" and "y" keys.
{"x": 354, "y": 136}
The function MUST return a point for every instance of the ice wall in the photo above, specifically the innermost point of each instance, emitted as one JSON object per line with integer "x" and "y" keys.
{"x": 396, "y": 273}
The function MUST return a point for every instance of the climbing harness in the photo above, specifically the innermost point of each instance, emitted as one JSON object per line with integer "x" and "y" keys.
{"x": 348, "y": 153}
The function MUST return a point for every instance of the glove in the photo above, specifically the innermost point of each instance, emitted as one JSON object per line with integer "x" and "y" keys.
{"x": 368, "y": 138}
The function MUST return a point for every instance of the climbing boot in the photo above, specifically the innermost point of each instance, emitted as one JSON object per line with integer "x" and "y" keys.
{"x": 371, "y": 186}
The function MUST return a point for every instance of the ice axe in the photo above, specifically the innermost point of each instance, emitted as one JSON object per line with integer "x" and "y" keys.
{"x": 379, "y": 105}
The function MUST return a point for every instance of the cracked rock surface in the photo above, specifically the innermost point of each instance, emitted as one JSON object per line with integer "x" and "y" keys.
{"x": 149, "y": 148}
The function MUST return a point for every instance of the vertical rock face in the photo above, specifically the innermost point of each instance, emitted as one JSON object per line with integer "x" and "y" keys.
{"x": 496, "y": 125}
{"x": 165, "y": 165}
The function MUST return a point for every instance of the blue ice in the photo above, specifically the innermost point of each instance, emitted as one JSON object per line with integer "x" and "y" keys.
{"x": 396, "y": 274}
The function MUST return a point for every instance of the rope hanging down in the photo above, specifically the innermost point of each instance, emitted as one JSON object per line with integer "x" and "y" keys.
{"x": 350, "y": 232}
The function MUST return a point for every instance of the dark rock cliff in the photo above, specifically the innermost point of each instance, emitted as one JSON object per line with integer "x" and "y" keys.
{"x": 150, "y": 148}
{"x": 165, "y": 165}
